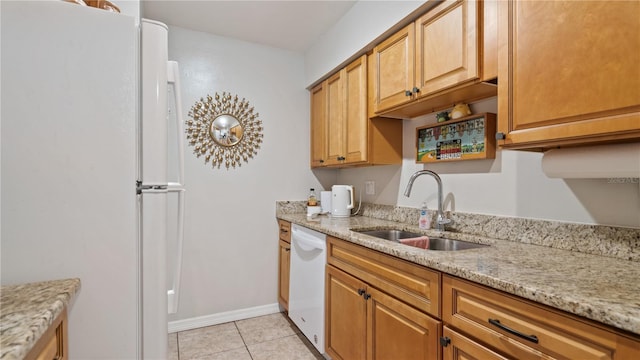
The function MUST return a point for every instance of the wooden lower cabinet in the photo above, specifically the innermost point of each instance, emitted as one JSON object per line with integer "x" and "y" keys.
{"x": 399, "y": 331}
{"x": 53, "y": 344}
{"x": 522, "y": 329}
{"x": 283, "y": 274}
{"x": 460, "y": 347}
{"x": 363, "y": 322}
{"x": 378, "y": 307}
{"x": 345, "y": 316}
{"x": 284, "y": 262}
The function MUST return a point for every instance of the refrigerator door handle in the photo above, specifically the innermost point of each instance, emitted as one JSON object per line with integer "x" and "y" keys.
{"x": 173, "y": 77}
{"x": 174, "y": 292}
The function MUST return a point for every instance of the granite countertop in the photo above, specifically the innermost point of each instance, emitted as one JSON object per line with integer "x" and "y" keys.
{"x": 27, "y": 311}
{"x": 596, "y": 287}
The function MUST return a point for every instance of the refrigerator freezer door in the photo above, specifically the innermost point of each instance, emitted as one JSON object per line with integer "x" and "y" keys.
{"x": 153, "y": 125}
{"x": 69, "y": 113}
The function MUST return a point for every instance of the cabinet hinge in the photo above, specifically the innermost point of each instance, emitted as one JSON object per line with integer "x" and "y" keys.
{"x": 445, "y": 341}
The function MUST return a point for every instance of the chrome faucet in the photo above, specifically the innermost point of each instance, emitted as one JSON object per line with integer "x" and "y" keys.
{"x": 441, "y": 221}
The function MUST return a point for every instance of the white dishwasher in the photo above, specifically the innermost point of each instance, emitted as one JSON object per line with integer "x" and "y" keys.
{"x": 306, "y": 283}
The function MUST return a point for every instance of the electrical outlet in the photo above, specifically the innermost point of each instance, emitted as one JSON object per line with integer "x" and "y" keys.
{"x": 370, "y": 187}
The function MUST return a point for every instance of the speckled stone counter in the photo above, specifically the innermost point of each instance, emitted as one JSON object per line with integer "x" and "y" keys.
{"x": 27, "y": 310}
{"x": 600, "y": 288}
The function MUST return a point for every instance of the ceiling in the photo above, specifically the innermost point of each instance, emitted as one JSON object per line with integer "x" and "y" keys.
{"x": 292, "y": 25}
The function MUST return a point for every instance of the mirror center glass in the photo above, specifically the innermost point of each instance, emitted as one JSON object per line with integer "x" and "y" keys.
{"x": 226, "y": 130}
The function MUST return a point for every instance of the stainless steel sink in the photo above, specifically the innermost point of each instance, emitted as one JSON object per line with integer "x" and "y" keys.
{"x": 420, "y": 241}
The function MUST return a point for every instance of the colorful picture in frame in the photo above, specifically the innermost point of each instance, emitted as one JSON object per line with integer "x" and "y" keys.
{"x": 462, "y": 139}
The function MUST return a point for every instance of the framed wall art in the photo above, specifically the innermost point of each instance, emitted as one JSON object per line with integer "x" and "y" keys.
{"x": 468, "y": 138}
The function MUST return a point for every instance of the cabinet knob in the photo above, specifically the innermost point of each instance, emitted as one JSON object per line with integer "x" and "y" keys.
{"x": 341, "y": 158}
{"x": 445, "y": 341}
{"x": 367, "y": 296}
{"x": 416, "y": 90}
{"x": 408, "y": 92}
{"x": 287, "y": 249}
{"x": 321, "y": 161}
{"x": 500, "y": 136}
{"x": 360, "y": 292}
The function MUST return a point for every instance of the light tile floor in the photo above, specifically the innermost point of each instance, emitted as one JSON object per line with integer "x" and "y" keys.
{"x": 261, "y": 338}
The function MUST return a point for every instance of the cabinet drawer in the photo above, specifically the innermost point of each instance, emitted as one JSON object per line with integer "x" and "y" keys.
{"x": 506, "y": 323}
{"x": 285, "y": 230}
{"x": 411, "y": 283}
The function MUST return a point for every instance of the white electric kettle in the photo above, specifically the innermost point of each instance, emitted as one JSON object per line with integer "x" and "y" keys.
{"x": 341, "y": 200}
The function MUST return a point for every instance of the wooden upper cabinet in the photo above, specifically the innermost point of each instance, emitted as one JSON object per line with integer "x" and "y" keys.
{"x": 393, "y": 68}
{"x": 356, "y": 119}
{"x": 569, "y": 72}
{"x": 437, "y": 60}
{"x": 347, "y": 114}
{"x": 318, "y": 126}
{"x": 336, "y": 129}
{"x": 341, "y": 132}
{"x": 447, "y": 46}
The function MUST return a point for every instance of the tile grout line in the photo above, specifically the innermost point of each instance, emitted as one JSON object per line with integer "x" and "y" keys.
{"x": 235, "y": 323}
{"x": 178, "y": 345}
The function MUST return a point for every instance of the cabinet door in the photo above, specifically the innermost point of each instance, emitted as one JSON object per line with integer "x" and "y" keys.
{"x": 393, "y": 67}
{"x": 345, "y": 324}
{"x": 283, "y": 274}
{"x": 447, "y": 46}
{"x": 355, "y": 90}
{"x": 399, "y": 331}
{"x": 318, "y": 126}
{"x": 463, "y": 348}
{"x": 335, "y": 119}
{"x": 568, "y": 72}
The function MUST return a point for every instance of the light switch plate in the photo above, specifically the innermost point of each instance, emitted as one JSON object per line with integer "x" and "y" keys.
{"x": 370, "y": 187}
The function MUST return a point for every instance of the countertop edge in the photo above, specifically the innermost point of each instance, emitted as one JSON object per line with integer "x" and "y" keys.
{"x": 28, "y": 310}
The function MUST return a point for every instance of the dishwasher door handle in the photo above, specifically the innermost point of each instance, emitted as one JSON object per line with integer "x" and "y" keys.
{"x": 308, "y": 242}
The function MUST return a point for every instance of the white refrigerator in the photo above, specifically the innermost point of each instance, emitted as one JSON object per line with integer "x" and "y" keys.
{"x": 86, "y": 187}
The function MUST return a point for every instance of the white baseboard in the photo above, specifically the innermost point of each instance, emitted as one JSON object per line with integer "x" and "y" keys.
{"x": 220, "y": 318}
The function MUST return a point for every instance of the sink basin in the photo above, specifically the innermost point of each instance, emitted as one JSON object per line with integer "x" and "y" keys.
{"x": 421, "y": 241}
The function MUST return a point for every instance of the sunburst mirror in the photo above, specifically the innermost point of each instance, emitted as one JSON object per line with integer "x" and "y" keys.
{"x": 224, "y": 130}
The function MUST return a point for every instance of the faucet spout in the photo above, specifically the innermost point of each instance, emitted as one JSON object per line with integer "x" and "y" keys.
{"x": 441, "y": 220}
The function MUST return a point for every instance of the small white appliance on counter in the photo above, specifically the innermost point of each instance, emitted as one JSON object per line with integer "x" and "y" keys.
{"x": 325, "y": 201}
{"x": 86, "y": 185}
{"x": 306, "y": 283}
{"x": 341, "y": 200}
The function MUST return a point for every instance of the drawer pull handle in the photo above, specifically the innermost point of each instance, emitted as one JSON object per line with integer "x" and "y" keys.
{"x": 496, "y": 322}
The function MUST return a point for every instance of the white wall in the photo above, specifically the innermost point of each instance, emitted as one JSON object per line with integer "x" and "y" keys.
{"x": 513, "y": 184}
{"x": 230, "y": 249}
